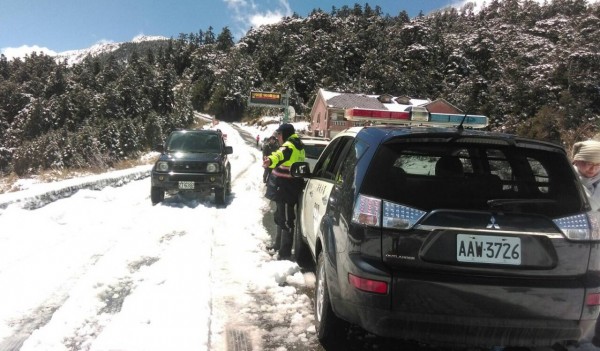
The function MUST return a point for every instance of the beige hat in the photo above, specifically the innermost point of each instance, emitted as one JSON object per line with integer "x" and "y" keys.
{"x": 588, "y": 151}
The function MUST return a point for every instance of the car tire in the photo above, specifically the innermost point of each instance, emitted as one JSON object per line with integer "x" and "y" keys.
{"x": 157, "y": 195}
{"x": 329, "y": 327}
{"x": 220, "y": 196}
{"x": 302, "y": 254}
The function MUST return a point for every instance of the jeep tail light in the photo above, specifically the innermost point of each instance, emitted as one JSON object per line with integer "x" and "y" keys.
{"x": 583, "y": 226}
{"x": 369, "y": 285}
{"x": 368, "y": 211}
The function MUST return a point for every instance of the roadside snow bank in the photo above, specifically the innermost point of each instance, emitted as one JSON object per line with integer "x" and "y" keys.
{"x": 41, "y": 194}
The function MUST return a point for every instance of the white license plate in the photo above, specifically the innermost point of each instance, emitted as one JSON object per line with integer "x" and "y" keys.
{"x": 186, "y": 185}
{"x": 488, "y": 249}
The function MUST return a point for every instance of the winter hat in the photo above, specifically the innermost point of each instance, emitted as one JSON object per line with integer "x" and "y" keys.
{"x": 588, "y": 151}
{"x": 286, "y": 130}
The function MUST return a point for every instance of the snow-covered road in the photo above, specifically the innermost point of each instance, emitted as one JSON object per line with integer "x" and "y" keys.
{"x": 106, "y": 270}
{"x": 90, "y": 264}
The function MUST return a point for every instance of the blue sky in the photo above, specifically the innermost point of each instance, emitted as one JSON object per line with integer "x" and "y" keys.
{"x": 61, "y": 25}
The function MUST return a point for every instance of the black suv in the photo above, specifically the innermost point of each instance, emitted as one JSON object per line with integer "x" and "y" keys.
{"x": 192, "y": 161}
{"x": 449, "y": 236}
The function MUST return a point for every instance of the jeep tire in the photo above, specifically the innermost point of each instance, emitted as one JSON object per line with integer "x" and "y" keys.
{"x": 220, "y": 196}
{"x": 157, "y": 195}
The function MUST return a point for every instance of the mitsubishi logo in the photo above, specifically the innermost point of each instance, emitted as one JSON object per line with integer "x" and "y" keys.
{"x": 493, "y": 224}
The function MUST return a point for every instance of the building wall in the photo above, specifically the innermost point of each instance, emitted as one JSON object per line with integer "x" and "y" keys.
{"x": 327, "y": 122}
{"x": 319, "y": 117}
{"x": 337, "y": 122}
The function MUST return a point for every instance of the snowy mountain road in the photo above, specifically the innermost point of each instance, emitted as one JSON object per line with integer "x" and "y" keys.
{"x": 104, "y": 269}
{"x": 101, "y": 268}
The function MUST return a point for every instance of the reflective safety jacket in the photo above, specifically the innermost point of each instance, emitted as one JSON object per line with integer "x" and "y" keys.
{"x": 291, "y": 151}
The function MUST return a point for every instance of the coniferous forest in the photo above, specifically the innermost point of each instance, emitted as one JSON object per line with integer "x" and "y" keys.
{"x": 533, "y": 69}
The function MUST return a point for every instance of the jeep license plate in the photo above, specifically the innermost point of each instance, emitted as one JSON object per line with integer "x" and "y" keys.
{"x": 186, "y": 185}
{"x": 488, "y": 249}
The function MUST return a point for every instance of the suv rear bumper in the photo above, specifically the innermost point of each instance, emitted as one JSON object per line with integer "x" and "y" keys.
{"x": 461, "y": 313}
{"x": 202, "y": 181}
{"x": 465, "y": 331}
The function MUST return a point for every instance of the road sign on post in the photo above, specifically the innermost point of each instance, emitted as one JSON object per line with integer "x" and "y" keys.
{"x": 267, "y": 99}
{"x": 270, "y": 99}
{"x": 286, "y": 112}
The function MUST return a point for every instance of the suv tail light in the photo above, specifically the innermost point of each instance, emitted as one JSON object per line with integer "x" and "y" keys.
{"x": 583, "y": 226}
{"x": 368, "y": 211}
{"x": 592, "y": 299}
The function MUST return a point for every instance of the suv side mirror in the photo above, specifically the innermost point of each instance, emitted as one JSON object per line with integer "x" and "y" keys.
{"x": 228, "y": 150}
{"x": 300, "y": 170}
{"x": 159, "y": 147}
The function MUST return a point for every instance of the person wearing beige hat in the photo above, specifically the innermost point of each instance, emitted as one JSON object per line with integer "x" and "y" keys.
{"x": 586, "y": 159}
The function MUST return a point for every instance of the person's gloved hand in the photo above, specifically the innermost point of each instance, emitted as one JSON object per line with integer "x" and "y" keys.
{"x": 266, "y": 162}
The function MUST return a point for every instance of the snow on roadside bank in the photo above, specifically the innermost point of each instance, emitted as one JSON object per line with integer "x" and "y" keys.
{"x": 40, "y": 194}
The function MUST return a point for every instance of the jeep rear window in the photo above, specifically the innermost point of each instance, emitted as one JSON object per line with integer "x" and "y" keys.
{"x": 431, "y": 175}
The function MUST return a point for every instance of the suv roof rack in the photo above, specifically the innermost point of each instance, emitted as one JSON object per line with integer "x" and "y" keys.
{"x": 416, "y": 116}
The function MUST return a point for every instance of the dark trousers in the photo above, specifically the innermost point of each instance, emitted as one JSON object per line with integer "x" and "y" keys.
{"x": 285, "y": 217}
{"x": 266, "y": 174}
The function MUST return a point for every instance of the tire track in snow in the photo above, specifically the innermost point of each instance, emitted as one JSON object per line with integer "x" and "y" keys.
{"x": 41, "y": 315}
{"x": 230, "y": 329}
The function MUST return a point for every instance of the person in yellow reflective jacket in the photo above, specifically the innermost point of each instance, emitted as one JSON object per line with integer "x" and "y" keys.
{"x": 283, "y": 188}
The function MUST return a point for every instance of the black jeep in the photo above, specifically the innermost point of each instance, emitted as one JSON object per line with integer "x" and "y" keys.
{"x": 192, "y": 161}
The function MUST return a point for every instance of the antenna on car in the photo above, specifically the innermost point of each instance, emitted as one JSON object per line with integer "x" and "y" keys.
{"x": 460, "y": 126}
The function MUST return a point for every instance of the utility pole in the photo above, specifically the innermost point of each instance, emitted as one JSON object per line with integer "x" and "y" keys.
{"x": 287, "y": 103}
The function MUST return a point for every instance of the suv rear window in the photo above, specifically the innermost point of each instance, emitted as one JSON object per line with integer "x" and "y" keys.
{"x": 429, "y": 175}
